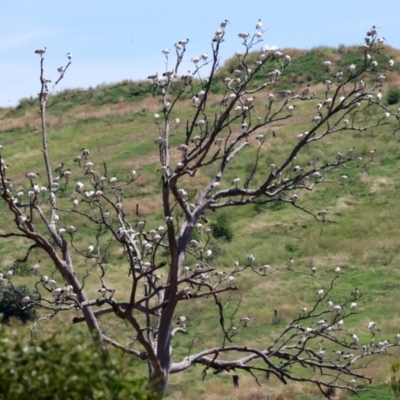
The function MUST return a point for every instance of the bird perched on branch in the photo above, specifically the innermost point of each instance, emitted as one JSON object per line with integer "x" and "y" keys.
{"x": 41, "y": 51}
{"x": 35, "y": 268}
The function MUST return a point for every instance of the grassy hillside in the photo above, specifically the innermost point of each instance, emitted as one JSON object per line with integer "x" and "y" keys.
{"x": 116, "y": 122}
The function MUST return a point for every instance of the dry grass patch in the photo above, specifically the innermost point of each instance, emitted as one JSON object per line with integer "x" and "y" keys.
{"x": 330, "y": 261}
{"x": 345, "y": 203}
{"x": 148, "y": 206}
{"x": 381, "y": 183}
{"x": 364, "y": 178}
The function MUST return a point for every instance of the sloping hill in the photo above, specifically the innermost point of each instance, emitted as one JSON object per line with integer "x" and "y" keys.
{"x": 116, "y": 122}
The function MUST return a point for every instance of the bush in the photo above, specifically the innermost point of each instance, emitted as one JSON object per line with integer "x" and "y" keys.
{"x": 58, "y": 369}
{"x": 10, "y": 304}
{"x": 393, "y": 96}
{"x": 222, "y": 227}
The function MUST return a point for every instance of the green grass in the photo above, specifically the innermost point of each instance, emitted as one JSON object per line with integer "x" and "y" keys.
{"x": 380, "y": 392}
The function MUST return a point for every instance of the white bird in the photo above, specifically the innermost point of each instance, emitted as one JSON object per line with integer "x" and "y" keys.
{"x": 90, "y": 249}
{"x": 306, "y": 91}
{"x": 381, "y": 78}
{"x": 373, "y": 31}
{"x": 57, "y": 292}
{"x": 323, "y": 213}
{"x": 264, "y": 269}
{"x": 71, "y": 229}
{"x": 328, "y": 102}
{"x": 36, "y": 267}
{"x": 313, "y": 162}
{"x": 372, "y": 327}
{"x": 32, "y": 175}
{"x": 326, "y": 64}
{"x": 381, "y": 40}
{"x": 291, "y": 108}
{"x": 69, "y": 55}
{"x": 60, "y": 70}
{"x": 354, "y": 338}
{"x": 46, "y": 79}
{"x": 317, "y": 119}
{"x": 259, "y": 24}
{"x": 250, "y": 258}
{"x": 182, "y": 321}
{"x": 41, "y": 51}
{"x": 290, "y": 262}
{"x": 321, "y": 323}
{"x": 25, "y": 300}
{"x": 297, "y": 169}
{"x": 195, "y": 100}
{"x": 51, "y": 282}
{"x": 352, "y": 382}
{"x": 224, "y": 23}
{"x": 320, "y": 293}
{"x": 339, "y": 76}
{"x": 235, "y": 182}
{"x": 184, "y": 42}
{"x": 153, "y": 76}
{"x": 353, "y": 306}
{"x": 372, "y": 153}
{"x": 10, "y": 273}
{"x": 338, "y": 309}
{"x": 350, "y": 152}
{"x": 166, "y": 51}
{"x": 351, "y": 68}
{"x": 244, "y": 35}
{"x": 328, "y": 84}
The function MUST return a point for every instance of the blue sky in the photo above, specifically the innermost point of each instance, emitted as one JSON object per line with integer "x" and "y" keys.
{"x": 123, "y": 39}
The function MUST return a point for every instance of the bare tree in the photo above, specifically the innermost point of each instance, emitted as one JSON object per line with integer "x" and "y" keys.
{"x": 213, "y": 137}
